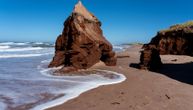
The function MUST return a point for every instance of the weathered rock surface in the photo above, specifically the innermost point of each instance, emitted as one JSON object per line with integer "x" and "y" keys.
{"x": 177, "y": 40}
{"x": 150, "y": 58}
{"x": 82, "y": 44}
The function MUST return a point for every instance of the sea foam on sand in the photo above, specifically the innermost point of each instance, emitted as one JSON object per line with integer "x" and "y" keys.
{"x": 29, "y": 87}
{"x": 2, "y": 106}
{"x": 75, "y": 91}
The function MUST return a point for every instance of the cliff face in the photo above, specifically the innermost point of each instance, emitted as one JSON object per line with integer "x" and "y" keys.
{"x": 177, "y": 40}
{"x": 82, "y": 44}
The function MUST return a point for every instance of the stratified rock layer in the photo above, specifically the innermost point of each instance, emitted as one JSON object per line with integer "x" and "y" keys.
{"x": 178, "y": 40}
{"x": 82, "y": 44}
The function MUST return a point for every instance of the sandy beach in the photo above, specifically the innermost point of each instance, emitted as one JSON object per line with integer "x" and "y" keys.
{"x": 96, "y": 55}
{"x": 142, "y": 90}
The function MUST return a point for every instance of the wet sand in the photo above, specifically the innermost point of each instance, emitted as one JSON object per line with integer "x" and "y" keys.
{"x": 143, "y": 90}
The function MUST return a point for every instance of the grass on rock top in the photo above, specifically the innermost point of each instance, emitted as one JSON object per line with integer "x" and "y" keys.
{"x": 178, "y": 27}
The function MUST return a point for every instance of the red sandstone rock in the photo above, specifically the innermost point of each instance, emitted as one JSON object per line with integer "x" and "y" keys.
{"x": 82, "y": 44}
{"x": 150, "y": 58}
{"x": 177, "y": 40}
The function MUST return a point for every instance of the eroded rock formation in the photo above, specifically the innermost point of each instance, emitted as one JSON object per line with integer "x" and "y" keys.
{"x": 150, "y": 58}
{"x": 82, "y": 44}
{"x": 177, "y": 40}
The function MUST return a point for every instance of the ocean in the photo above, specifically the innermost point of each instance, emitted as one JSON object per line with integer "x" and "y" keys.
{"x": 27, "y": 83}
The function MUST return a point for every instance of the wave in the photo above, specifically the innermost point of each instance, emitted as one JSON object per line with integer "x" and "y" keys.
{"x": 38, "y": 43}
{"x": 23, "y": 56}
{"x": 85, "y": 83}
{"x": 76, "y": 91}
{"x": 4, "y": 47}
{"x": 117, "y": 47}
{"x": 46, "y": 61}
{"x": 6, "y": 43}
{"x": 27, "y": 44}
{"x": 120, "y": 48}
{"x": 14, "y": 43}
{"x": 44, "y": 45}
{"x": 21, "y": 43}
{"x": 19, "y": 49}
{"x": 2, "y": 106}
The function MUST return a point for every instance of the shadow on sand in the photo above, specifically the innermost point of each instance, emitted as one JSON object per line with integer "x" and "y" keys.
{"x": 180, "y": 72}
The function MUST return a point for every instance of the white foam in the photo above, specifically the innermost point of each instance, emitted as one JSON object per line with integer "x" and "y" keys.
{"x": 38, "y": 43}
{"x": 6, "y": 43}
{"x": 13, "y": 43}
{"x": 22, "y": 56}
{"x": 21, "y": 43}
{"x": 2, "y": 106}
{"x": 118, "y": 47}
{"x": 19, "y": 49}
{"x": 76, "y": 91}
{"x": 46, "y": 61}
{"x": 19, "y": 56}
{"x": 4, "y": 47}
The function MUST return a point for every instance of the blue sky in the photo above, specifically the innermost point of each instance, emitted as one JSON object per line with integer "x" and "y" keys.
{"x": 124, "y": 21}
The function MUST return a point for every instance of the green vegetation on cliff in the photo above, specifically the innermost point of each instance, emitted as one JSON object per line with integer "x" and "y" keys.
{"x": 178, "y": 27}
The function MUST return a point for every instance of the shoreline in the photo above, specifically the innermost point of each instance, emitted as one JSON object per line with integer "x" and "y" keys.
{"x": 142, "y": 90}
{"x": 80, "y": 89}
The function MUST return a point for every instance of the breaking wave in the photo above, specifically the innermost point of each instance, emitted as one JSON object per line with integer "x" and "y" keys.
{"x": 13, "y": 43}
{"x": 19, "y": 49}
{"x": 84, "y": 83}
{"x": 31, "y": 75}
{"x": 4, "y": 47}
{"x": 23, "y": 56}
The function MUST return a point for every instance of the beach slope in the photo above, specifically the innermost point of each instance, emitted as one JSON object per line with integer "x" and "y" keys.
{"x": 143, "y": 90}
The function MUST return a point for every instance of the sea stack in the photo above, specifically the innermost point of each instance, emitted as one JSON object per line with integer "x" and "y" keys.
{"x": 150, "y": 58}
{"x": 82, "y": 44}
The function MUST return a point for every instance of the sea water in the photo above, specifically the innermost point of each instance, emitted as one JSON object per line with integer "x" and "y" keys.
{"x": 27, "y": 83}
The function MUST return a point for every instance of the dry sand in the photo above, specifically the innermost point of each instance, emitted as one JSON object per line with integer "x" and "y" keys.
{"x": 143, "y": 90}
